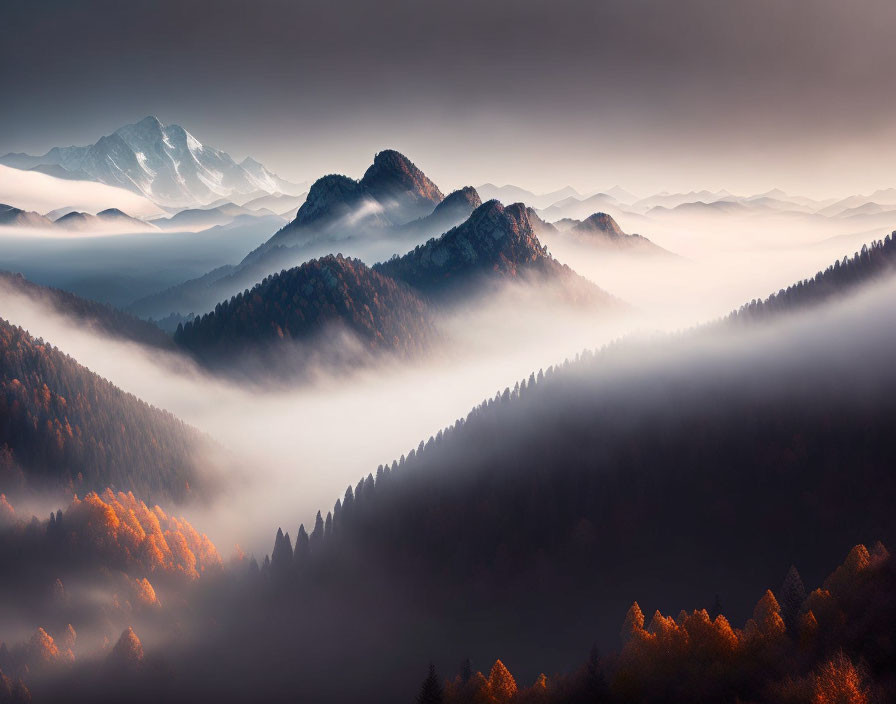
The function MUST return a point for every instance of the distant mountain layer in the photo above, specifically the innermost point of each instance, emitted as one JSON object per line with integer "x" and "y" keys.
{"x": 601, "y": 230}
{"x": 163, "y": 162}
{"x": 17, "y": 217}
{"x": 202, "y": 218}
{"x": 64, "y": 427}
{"x": 103, "y": 319}
{"x": 109, "y": 220}
{"x": 514, "y": 194}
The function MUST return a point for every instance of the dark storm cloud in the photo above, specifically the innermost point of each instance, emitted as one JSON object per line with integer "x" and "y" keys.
{"x": 472, "y": 90}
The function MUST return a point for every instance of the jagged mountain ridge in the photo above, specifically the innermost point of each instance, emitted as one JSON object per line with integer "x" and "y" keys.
{"x": 165, "y": 163}
{"x": 495, "y": 242}
{"x": 339, "y": 214}
{"x": 392, "y": 192}
{"x": 387, "y": 306}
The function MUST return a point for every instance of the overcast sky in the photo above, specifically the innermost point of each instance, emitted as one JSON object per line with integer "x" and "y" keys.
{"x": 745, "y": 95}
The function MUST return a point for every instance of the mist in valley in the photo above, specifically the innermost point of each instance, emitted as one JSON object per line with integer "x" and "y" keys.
{"x": 295, "y": 447}
{"x": 297, "y": 459}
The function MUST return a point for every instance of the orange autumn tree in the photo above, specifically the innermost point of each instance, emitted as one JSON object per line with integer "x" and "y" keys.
{"x": 499, "y": 687}
{"x": 501, "y": 684}
{"x": 838, "y": 650}
{"x": 125, "y": 530}
{"x": 693, "y": 653}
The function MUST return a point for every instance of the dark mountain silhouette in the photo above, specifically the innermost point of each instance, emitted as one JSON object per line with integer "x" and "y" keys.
{"x": 493, "y": 243}
{"x": 99, "y": 317}
{"x": 17, "y": 217}
{"x": 64, "y": 427}
{"x": 298, "y": 304}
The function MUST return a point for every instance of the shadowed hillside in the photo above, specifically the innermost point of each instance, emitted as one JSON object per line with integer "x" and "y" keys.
{"x": 62, "y": 426}
{"x": 98, "y": 317}
{"x": 301, "y": 303}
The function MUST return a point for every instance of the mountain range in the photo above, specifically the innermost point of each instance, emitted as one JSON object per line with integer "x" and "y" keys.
{"x": 392, "y": 208}
{"x": 495, "y": 242}
{"x": 602, "y": 231}
{"x": 109, "y": 220}
{"x": 165, "y": 163}
{"x": 388, "y": 307}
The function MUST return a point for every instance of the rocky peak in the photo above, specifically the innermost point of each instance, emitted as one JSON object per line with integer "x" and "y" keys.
{"x": 466, "y": 197}
{"x": 329, "y": 196}
{"x": 393, "y": 178}
{"x": 494, "y": 240}
{"x": 497, "y": 221}
{"x": 601, "y": 222}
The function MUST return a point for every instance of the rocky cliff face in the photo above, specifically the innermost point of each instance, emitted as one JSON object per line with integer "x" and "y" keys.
{"x": 494, "y": 239}
{"x": 403, "y": 189}
{"x": 392, "y": 194}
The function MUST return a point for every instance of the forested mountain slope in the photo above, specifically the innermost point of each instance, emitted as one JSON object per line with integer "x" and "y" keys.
{"x": 98, "y": 317}
{"x": 494, "y": 243}
{"x": 526, "y": 530}
{"x": 296, "y": 305}
{"x": 62, "y": 426}
{"x": 871, "y": 263}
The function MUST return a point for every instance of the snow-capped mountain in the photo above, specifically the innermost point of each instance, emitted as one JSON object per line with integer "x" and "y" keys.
{"x": 165, "y": 163}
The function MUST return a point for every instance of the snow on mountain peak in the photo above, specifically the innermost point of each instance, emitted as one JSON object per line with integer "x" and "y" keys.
{"x": 168, "y": 165}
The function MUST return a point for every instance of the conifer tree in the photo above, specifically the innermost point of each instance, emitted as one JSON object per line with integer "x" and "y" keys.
{"x": 793, "y": 594}
{"x": 431, "y": 690}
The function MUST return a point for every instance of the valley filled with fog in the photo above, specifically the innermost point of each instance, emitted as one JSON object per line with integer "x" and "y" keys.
{"x": 296, "y": 447}
{"x": 517, "y": 404}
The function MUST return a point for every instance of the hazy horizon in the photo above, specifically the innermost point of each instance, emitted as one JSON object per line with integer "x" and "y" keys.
{"x": 742, "y": 96}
